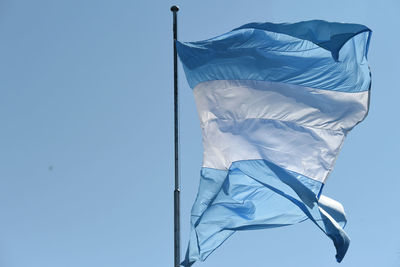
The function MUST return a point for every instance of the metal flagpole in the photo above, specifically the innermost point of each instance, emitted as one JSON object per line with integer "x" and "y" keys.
{"x": 177, "y": 237}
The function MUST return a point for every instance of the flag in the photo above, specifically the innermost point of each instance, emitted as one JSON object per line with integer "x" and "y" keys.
{"x": 275, "y": 103}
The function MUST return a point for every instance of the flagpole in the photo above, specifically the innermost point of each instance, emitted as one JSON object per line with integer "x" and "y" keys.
{"x": 177, "y": 241}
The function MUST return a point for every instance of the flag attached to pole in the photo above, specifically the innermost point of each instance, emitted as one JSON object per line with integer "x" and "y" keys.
{"x": 275, "y": 103}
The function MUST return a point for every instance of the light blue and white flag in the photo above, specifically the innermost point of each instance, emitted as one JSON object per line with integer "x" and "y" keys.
{"x": 275, "y": 102}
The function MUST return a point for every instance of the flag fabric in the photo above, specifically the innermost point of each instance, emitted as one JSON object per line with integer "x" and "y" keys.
{"x": 275, "y": 103}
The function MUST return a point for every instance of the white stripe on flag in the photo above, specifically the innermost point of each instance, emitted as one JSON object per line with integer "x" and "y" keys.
{"x": 298, "y": 128}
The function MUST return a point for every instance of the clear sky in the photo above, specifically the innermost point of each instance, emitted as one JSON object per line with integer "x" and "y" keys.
{"x": 86, "y": 137}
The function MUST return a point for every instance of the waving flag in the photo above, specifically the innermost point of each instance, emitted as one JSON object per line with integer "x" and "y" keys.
{"x": 275, "y": 103}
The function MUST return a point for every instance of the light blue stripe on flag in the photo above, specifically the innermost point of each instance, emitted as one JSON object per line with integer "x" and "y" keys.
{"x": 275, "y": 103}
{"x": 254, "y": 52}
{"x": 255, "y": 194}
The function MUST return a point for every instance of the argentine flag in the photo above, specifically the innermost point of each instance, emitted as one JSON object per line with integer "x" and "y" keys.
{"x": 275, "y": 103}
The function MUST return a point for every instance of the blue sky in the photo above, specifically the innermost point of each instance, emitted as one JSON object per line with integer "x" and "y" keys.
{"x": 86, "y": 137}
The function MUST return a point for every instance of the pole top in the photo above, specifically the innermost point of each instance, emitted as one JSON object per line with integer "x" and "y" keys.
{"x": 174, "y": 8}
